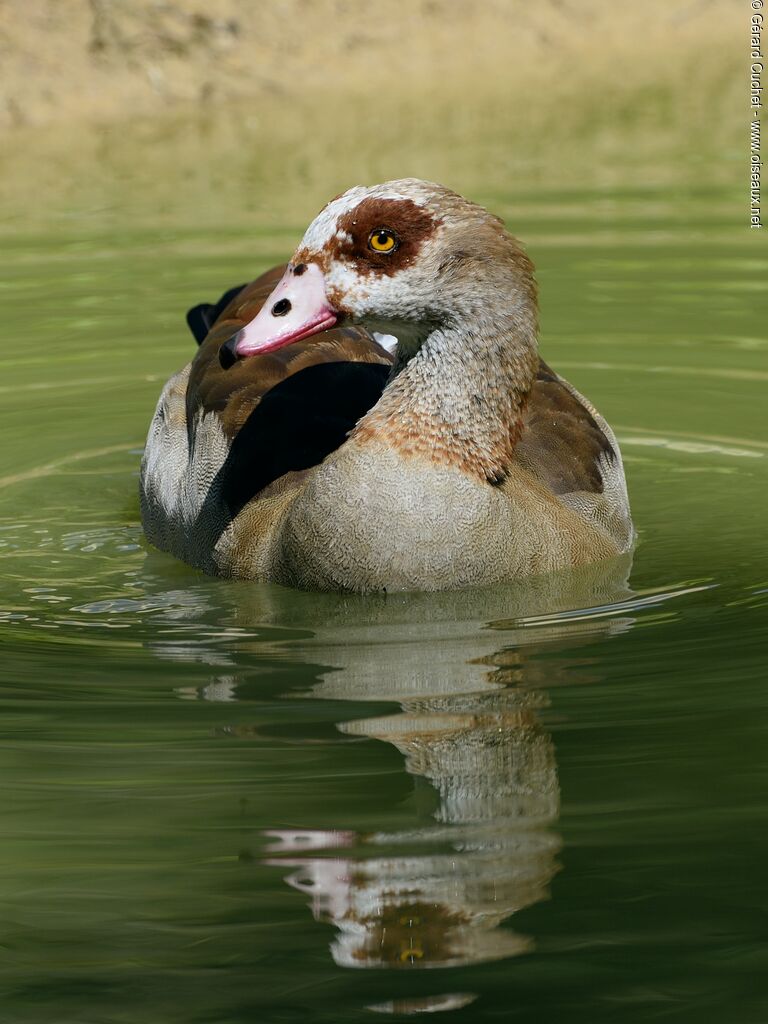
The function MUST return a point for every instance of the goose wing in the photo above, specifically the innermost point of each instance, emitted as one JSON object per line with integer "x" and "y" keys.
{"x": 285, "y": 411}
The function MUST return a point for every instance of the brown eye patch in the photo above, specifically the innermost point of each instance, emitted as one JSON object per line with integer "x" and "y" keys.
{"x": 410, "y": 224}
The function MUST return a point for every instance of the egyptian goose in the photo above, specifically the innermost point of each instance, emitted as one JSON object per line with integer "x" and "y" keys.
{"x": 296, "y": 448}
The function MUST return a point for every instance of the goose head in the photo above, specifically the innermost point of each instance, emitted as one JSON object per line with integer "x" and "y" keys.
{"x": 404, "y": 258}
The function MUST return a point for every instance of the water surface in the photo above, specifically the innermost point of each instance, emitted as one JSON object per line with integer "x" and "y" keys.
{"x": 232, "y": 802}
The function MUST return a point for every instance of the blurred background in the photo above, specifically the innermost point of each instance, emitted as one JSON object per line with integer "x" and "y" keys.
{"x": 274, "y": 105}
{"x": 226, "y": 802}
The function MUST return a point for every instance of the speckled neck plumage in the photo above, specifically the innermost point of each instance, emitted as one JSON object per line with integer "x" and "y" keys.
{"x": 473, "y": 419}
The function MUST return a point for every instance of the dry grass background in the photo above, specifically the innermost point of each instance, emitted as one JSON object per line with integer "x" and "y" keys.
{"x": 101, "y": 59}
{"x": 554, "y": 89}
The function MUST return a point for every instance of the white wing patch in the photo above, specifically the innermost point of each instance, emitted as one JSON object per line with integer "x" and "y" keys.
{"x": 181, "y": 507}
{"x": 387, "y": 341}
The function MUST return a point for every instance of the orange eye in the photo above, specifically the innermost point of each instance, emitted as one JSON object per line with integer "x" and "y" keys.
{"x": 383, "y": 240}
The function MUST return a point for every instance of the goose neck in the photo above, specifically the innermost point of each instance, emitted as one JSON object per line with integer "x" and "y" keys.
{"x": 460, "y": 397}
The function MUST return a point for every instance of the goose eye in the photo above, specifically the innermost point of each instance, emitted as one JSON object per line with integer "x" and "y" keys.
{"x": 383, "y": 240}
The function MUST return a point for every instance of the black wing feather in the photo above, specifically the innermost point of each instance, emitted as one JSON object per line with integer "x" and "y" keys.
{"x": 201, "y": 318}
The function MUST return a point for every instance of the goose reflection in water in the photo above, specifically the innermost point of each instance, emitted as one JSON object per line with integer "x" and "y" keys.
{"x": 494, "y": 770}
{"x": 470, "y": 672}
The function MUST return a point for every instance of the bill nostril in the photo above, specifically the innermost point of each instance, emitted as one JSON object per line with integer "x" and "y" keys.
{"x": 281, "y": 307}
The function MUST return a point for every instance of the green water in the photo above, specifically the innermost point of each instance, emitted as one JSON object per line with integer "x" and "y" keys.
{"x": 232, "y": 803}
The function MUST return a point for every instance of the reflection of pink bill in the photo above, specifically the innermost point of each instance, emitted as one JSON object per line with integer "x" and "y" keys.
{"x": 428, "y": 1004}
{"x": 303, "y": 840}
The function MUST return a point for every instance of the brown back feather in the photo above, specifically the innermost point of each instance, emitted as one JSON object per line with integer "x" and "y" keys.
{"x": 561, "y": 443}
